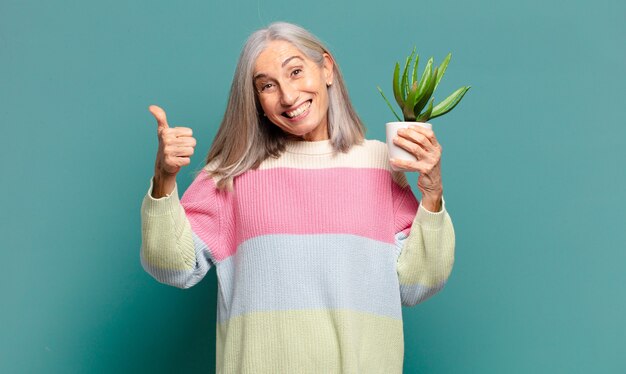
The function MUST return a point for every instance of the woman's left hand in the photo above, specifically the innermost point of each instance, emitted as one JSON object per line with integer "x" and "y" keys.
{"x": 422, "y": 143}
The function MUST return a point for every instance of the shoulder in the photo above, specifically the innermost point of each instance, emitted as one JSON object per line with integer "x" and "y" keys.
{"x": 206, "y": 177}
{"x": 370, "y": 153}
{"x": 207, "y": 171}
{"x": 378, "y": 153}
{"x": 374, "y": 145}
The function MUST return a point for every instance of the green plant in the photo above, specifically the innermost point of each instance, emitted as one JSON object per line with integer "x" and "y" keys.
{"x": 413, "y": 95}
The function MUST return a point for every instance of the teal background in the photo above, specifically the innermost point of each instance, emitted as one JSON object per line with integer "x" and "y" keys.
{"x": 532, "y": 170}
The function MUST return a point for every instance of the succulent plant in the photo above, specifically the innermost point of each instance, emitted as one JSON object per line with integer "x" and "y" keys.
{"x": 413, "y": 96}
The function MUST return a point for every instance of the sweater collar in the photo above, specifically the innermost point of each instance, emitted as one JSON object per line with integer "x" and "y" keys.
{"x": 319, "y": 147}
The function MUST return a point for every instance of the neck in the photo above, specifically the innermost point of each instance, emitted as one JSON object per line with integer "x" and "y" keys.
{"x": 319, "y": 133}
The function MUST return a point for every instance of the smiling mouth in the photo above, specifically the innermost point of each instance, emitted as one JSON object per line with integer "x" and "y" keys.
{"x": 298, "y": 111}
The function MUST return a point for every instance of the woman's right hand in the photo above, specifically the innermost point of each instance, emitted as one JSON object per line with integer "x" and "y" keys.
{"x": 176, "y": 145}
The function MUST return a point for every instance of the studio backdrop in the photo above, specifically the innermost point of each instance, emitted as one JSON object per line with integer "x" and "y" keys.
{"x": 532, "y": 169}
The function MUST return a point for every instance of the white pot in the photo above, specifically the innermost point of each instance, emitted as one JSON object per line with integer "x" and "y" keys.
{"x": 396, "y": 151}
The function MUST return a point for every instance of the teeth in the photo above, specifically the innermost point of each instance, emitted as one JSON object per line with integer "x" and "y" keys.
{"x": 301, "y": 109}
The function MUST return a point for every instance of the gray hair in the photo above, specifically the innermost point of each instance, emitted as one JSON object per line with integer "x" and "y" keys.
{"x": 245, "y": 137}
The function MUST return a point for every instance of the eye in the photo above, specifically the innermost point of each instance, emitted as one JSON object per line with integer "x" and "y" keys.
{"x": 266, "y": 87}
{"x": 296, "y": 71}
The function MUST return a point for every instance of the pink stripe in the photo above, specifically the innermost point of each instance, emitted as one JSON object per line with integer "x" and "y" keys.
{"x": 406, "y": 209}
{"x": 204, "y": 207}
{"x": 357, "y": 201}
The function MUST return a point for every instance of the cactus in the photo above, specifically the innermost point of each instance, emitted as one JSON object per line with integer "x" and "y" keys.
{"x": 413, "y": 95}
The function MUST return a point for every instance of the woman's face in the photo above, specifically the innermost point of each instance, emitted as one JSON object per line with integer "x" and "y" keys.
{"x": 293, "y": 91}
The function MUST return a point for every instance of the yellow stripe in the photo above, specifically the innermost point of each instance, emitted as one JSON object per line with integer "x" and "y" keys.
{"x": 427, "y": 258}
{"x": 160, "y": 232}
{"x": 310, "y": 341}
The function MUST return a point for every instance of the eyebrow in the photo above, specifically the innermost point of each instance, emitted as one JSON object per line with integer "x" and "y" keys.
{"x": 261, "y": 75}
{"x": 289, "y": 59}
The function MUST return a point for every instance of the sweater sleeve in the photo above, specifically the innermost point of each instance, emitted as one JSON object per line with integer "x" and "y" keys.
{"x": 171, "y": 250}
{"x": 426, "y": 243}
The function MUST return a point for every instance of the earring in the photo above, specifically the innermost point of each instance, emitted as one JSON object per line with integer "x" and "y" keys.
{"x": 328, "y": 84}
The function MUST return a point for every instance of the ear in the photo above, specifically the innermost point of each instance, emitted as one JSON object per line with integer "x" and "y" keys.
{"x": 329, "y": 65}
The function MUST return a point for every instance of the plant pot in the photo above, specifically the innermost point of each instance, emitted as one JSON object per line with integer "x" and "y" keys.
{"x": 397, "y": 151}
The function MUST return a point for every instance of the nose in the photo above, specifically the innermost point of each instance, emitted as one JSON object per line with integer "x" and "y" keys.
{"x": 289, "y": 94}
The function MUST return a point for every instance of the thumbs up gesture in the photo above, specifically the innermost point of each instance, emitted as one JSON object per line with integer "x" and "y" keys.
{"x": 176, "y": 145}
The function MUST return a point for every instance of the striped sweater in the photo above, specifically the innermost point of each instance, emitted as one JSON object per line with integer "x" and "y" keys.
{"x": 315, "y": 256}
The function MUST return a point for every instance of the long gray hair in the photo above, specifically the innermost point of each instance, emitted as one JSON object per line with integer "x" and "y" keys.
{"x": 246, "y": 138}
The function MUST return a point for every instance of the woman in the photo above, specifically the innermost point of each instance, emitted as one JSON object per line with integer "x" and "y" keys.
{"x": 317, "y": 243}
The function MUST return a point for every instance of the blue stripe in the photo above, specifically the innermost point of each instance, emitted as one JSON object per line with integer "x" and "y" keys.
{"x": 288, "y": 272}
{"x": 416, "y": 293}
